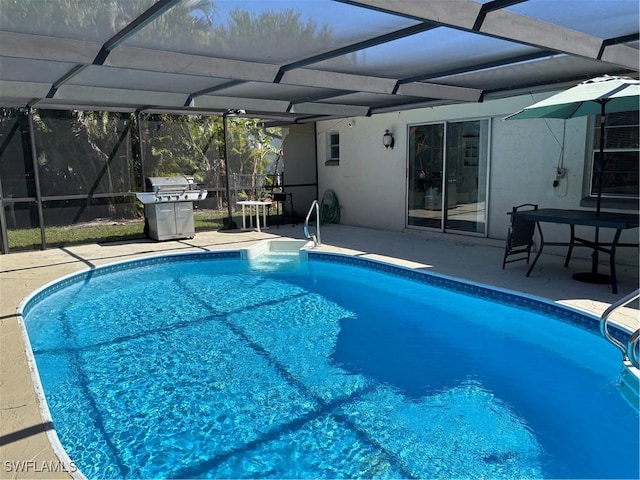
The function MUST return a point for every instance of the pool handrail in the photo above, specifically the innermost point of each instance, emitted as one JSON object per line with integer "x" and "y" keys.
{"x": 316, "y": 238}
{"x": 628, "y": 351}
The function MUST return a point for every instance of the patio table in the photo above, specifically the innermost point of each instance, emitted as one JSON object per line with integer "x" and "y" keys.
{"x": 617, "y": 221}
{"x": 257, "y": 204}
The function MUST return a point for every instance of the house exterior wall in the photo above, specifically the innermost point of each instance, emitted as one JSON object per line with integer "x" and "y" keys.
{"x": 370, "y": 181}
{"x": 299, "y": 153}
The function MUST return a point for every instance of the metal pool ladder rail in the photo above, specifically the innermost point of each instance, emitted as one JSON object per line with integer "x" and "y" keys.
{"x": 316, "y": 238}
{"x": 629, "y": 351}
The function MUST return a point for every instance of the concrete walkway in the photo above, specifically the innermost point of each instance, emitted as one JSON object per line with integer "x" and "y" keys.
{"x": 25, "y": 450}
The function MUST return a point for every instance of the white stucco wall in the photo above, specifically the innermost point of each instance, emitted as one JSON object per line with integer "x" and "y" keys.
{"x": 298, "y": 146}
{"x": 370, "y": 181}
{"x": 524, "y": 158}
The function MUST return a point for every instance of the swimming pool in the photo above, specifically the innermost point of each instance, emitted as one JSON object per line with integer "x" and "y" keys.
{"x": 198, "y": 365}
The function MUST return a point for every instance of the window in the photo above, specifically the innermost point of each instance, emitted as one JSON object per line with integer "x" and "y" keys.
{"x": 333, "y": 148}
{"x": 621, "y": 155}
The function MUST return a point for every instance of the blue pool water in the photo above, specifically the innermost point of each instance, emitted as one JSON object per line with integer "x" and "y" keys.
{"x": 201, "y": 367}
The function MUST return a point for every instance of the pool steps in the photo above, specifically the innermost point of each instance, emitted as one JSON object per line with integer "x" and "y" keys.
{"x": 630, "y": 376}
{"x": 630, "y": 385}
{"x": 630, "y": 350}
{"x": 276, "y": 254}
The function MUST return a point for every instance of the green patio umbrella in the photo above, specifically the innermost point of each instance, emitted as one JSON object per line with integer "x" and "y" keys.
{"x": 596, "y": 96}
{"x": 601, "y": 95}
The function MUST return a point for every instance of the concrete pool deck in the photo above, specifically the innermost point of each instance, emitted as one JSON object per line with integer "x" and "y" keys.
{"x": 25, "y": 451}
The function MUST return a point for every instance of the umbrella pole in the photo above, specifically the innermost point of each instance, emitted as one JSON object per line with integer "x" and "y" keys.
{"x": 600, "y": 164}
{"x": 593, "y": 276}
{"x": 600, "y": 169}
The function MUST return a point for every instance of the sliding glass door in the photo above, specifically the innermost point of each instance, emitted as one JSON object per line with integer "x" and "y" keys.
{"x": 426, "y": 160}
{"x": 447, "y": 176}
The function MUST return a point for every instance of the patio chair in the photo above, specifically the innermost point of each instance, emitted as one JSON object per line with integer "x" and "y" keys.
{"x": 519, "y": 236}
{"x": 284, "y": 207}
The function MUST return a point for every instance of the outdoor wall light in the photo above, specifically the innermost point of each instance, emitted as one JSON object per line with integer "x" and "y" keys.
{"x": 387, "y": 139}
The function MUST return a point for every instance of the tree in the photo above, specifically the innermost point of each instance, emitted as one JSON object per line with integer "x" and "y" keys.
{"x": 99, "y": 20}
{"x": 270, "y": 36}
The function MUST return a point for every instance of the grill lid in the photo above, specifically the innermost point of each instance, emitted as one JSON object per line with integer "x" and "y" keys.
{"x": 177, "y": 188}
{"x": 178, "y": 182}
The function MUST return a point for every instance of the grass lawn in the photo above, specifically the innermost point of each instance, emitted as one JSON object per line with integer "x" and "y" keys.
{"x": 101, "y": 230}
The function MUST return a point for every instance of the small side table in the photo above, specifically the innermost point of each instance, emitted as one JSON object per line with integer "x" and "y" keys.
{"x": 257, "y": 204}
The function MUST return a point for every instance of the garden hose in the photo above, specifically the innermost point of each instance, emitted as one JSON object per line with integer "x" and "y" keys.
{"x": 329, "y": 208}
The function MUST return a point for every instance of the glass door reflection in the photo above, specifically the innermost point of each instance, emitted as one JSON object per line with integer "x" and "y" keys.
{"x": 426, "y": 163}
{"x": 454, "y": 177}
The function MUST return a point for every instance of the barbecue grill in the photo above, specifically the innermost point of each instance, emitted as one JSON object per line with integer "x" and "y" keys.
{"x": 168, "y": 206}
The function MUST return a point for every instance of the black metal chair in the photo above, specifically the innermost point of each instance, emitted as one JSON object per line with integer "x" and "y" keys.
{"x": 519, "y": 236}
{"x": 284, "y": 203}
